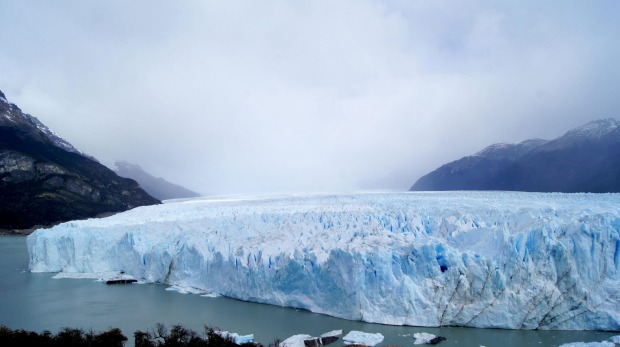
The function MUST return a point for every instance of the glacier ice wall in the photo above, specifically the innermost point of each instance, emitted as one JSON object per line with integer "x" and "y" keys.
{"x": 479, "y": 259}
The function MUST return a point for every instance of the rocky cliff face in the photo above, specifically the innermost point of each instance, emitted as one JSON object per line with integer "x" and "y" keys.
{"x": 44, "y": 180}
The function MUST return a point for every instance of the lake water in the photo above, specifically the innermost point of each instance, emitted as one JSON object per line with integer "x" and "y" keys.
{"x": 37, "y": 302}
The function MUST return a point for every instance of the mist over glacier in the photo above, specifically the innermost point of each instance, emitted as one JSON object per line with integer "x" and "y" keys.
{"x": 479, "y": 259}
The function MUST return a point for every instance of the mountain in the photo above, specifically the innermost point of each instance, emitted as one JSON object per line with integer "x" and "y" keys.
{"x": 510, "y": 260}
{"x": 44, "y": 180}
{"x": 155, "y": 186}
{"x": 585, "y": 159}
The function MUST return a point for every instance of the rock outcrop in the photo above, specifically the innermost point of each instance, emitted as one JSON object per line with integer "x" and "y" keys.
{"x": 44, "y": 180}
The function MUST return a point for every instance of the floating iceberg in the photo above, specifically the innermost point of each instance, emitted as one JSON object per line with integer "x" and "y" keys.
{"x": 295, "y": 341}
{"x": 423, "y": 338}
{"x": 589, "y": 344}
{"x": 323, "y": 340}
{"x": 332, "y": 333}
{"x": 361, "y": 338}
{"x": 478, "y": 259}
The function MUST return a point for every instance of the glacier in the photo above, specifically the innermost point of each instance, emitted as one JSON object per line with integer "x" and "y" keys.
{"x": 509, "y": 260}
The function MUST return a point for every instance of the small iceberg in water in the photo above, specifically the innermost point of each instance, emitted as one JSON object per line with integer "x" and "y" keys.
{"x": 295, "y": 341}
{"x": 589, "y": 344}
{"x": 191, "y": 290}
{"x": 324, "y": 339}
{"x": 120, "y": 278}
{"x": 305, "y": 340}
{"x": 427, "y": 339}
{"x": 611, "y": 342}
{"x": 361, "y": 338}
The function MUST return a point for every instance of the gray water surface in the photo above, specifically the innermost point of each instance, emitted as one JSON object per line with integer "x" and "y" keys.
{"x": 38, "y": 302}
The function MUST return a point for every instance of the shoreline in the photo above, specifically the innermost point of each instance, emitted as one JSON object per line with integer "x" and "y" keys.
{"x": 28, "y": 231}
{"x": 17, "y": 232}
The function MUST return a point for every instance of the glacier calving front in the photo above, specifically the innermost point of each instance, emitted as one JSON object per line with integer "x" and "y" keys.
{"x": 479, "y": 259}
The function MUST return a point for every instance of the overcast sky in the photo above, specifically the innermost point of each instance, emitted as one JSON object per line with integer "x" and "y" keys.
{"x": 229, "y": 97}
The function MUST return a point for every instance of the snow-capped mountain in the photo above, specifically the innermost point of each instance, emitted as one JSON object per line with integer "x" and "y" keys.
{"x": 479, "y": 171}
{"x": 510, "y": 151}
{"x": 480, "y": 259}
{"x": 585, "y": 159}
{"x": 44, "y": 180}
{"x": 155, "y": 186}
{"x": 595, "y": 129}
{"x": 13, "y": 116}
{"x": 602, "y": 130}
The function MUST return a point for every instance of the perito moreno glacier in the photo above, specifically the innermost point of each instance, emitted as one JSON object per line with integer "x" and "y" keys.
{"x": 477, "y": 259}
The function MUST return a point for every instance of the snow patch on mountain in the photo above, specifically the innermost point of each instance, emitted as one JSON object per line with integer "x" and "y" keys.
{"x": 53, "y": 136}
{"x": 15, "y": 115}
{"x": 510, "y": 151}
{"x": 595, "y": 129}
{"x": 479, "y": 259}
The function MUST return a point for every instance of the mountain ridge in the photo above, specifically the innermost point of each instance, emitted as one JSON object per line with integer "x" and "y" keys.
{"x": 155, "y": 186}
{"x": 584, "y": 159}
{"x": 44, "y": 180}
{"x": 13, "y": 114}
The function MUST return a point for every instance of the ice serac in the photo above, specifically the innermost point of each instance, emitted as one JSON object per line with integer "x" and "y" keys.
{"x": 478, "y": 259}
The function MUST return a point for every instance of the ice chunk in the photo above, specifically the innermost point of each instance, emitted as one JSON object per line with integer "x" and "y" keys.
{"x": 589, "y": 344}
{"x": 361, "y": 338}
{"x": 209, "y": 295}
{"x": 423, "y": 338}
{"x": 332, "y": 333}
{"x": 189, "y": 290}
{"x": 295, "y": 341}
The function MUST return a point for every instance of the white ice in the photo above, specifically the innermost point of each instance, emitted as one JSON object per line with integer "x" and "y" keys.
{"x": 362, "y": 338}
{"x": 295, "y": 341}
{"x": 589, "y": 344}
{"x": 479, "y": 259}
{"x": 332, "y": 333}
{"x": 423, "y": 338}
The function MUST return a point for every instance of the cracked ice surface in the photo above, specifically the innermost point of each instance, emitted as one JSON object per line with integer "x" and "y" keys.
{"x": 480, "y": 259}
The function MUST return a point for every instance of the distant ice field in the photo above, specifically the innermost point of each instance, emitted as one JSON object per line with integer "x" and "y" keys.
{"x": 481, "y": 259}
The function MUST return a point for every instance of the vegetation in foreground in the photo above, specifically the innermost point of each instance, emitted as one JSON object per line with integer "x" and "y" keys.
{"x": 158, "y": 336}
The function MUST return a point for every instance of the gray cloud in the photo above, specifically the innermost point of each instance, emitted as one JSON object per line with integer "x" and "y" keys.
{"x": 232, "y": 97}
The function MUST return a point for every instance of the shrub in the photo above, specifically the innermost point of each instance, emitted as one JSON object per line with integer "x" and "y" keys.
{"x": 158, "y": 336}
{"x": 179, "y": 336}
{"x": 67, "y": 337}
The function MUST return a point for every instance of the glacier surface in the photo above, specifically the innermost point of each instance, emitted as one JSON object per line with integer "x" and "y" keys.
{"x": 479, "y": 259}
